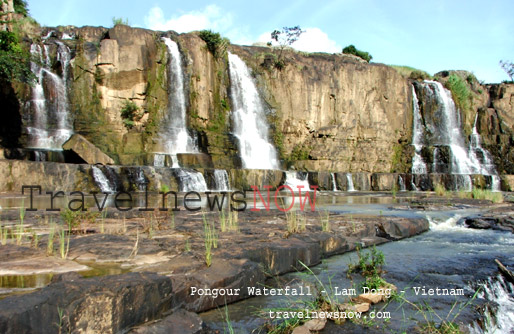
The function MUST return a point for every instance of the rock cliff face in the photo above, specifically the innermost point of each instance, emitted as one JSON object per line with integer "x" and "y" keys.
{"x": 326, "y": 112}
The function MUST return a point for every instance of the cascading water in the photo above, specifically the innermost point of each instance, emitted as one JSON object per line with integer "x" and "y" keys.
{"x": 102, "y": 181}
{"x": 349, "y": 181}
{"x": 334, "y": 184}
{"x": 487, "y": 165}
{"x": 48, "y": 124}
{"x": 173, "y": 136}
{"x": 401, "y": 183}
{"x": 159, "y": 160}
{"x": 295, "y": 179}
{"x": 499, "y": 294}
{"x": 443, "y": 128}
{"x": 190, "y": 180}
{"x": 418, "y": 165}
{"x": 249, "y": 118}
{"x": 221, "y": 180}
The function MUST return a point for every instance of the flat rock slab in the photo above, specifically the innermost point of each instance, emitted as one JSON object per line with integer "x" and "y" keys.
{"x": 19, "y": 260}
{"x": 180, "y": 322}
{"x": 87, "y": 151}
{"x": 109, "y": 304}
{"x": 40, "y": 265}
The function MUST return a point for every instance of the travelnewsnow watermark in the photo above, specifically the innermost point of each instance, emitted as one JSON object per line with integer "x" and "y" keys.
{"x": 215, "y": 201}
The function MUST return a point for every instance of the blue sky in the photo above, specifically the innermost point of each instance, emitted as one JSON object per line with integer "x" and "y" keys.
{"x": 430, "y": 35}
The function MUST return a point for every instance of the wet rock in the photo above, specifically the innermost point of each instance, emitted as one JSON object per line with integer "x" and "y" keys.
{"x": 493, "y": 223}
{"x": 109, "y": 304}
{"x": 180, "y": 322}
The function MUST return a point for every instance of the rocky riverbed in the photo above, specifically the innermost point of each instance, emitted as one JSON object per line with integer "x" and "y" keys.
{"x": 114, "y": 272}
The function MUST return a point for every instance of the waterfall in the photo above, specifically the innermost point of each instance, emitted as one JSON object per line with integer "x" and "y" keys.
{"x": 159, "y": 160}
{"x": 334, "y": 184}
{"x": 487, "y": 166}
{"x": 295, "y": 179}
{"x": 173, "y": 136}
{"x": 48, "y": 125}
{"x": 349, "y": 180}
{"x": 418, "y": 165}
{"x": 249, "y": 118}
{"x": 401, "y": 183}
{"x": 137, "y": 178}
{"x": 190, "y": 180}
{"x": 102, "y": 181}
{"x": 447, "y": 131}
{"x": 443, "y": 126}
{"x": 221, "y": 180}
{"x": 499, "y": 295}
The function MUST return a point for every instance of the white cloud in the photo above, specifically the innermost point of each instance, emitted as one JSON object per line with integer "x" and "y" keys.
{"x": 312, "y": 40}
{"x": 211, "y": 17}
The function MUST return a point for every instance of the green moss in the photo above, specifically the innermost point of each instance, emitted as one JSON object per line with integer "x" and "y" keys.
{"x": 156, "y": 93}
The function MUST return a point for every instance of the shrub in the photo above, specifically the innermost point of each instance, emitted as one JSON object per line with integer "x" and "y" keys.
{"x": 119, "y": 20}
{"x": 460, "y": 91}
{"x": 14, "y": 61}
{"x": 216, "y": 44}
{"x": 128, "y": 113}
{"x": 20, "y": 7}
{"x": 350, "y": 49}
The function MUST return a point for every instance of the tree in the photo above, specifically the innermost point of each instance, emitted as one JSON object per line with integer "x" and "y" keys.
{"x": 508, "y": 67}
{"x": 351, "y": 49}
{"x": 285, "y": 38}
{"x": 14, "y": 61}
{"x": 216, "y": 44}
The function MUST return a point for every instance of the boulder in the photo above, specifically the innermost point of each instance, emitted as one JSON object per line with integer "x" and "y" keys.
{"x": 87, "y": 151}
{"x": 109, "y": 304}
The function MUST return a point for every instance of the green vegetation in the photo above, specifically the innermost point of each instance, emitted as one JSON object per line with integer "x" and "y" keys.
{"x": 119, "y": 20}
{"x": 285, "y": 38}
{"x": 210, "y": 238}
{"x": 350, "y": 49}
{"x": 74, "y": 219}
{"x": 460, "y": 91}
{"x": 129, "y": 114}
{"x": 20, "y": 7}
{"x": 324, "y": 216}
{"x": 64, "y": 242}
{"x": 440, "y": 190}
{"x": 483, "y": 194}
{"x": 411, "y": 72}
{"x": 228, "y": 220}
{"x": 296, "y": 222}
{"x": 14, "y": 61}
{"x": 298, "y": 153}
{"x": 370, "y": 266}
{"x": 216, "y": 44}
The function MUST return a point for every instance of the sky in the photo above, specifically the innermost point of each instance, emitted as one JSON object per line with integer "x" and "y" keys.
{"x": 430, "y": 35}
